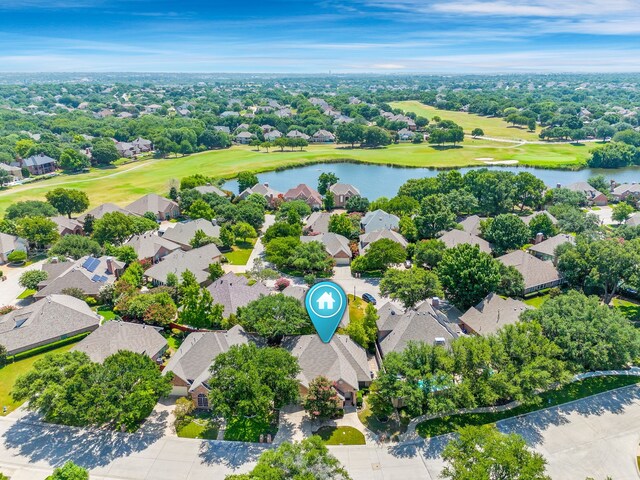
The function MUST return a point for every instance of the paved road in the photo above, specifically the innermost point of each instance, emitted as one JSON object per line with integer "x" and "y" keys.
{"x": 596, "y": 437}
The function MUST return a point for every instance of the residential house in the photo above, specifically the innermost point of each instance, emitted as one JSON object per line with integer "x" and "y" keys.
{"x": 317, "y": 222}
{"x": 624, "y": 191}
{"x": 341, "y": 360}
{"x": 163, "y": 208}
{"x": 323, "y": 136}
{"x": 336, "y": 246}
{"x": 453, "y": 238}
{"x": 192, "y": 362}
{"x": 379, "y": 220}
{"x": 405, "y": 135}
{"x": 222, "y": 129}
{"x": 183, "y": 232}
{"x": 537, "y": 274}
{"x": 546, "y": 249}
{"x": 295, "y": 291}
{"x": 244, "y": 138}
{"x": 306, "y": 193}
{"x": 210, "y": 189}
{"x": 48, "y": 320}
{"x": 367, "y": 239}
{"x": 39, "y": 164}
{"x": 89, "y": 274}
{"x": 594, "y": 197}
{"x": 262, "y": 189}
{"x": 11, "y": 243}
{"x": 298, "y": 134}
{"x": 197, "y": 261}
{"x": 343, "y": 192}
{"x": 68, "y": 226}
{"x": 422, "y": 324}
{"x": 634, "y": 220}
{"x": 272, "y": 135}
{"x": 150, "y": 246}
{"x": 528, "y": 218}
{"x": 15, "y": 173}
{"x": 229, "y": 113}
{"x": 471, "y": 224}
{"x": 491, "y": 314}
{"x": 113, "y": 336}
{"x": 234, "y": 291}
{"x": 101, "y": 210}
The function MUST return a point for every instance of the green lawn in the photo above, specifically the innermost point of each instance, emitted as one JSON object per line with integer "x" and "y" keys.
{"x": 356, "y": 307}
{"x": 568, "y": 393}
{"x": 537, "y": 300}
{"x": 341, "y": 436}
{"x": 26, "y": 294}
{"x": 122, "y": 184}
{"x": 391, "y": 428}
{"x": 241, "y": 252}
{"x": 248, "y": 429}
{"x": 107, "y": 313}
{"x": 9, "y": 374}
{"x": 200, "y": 427}
{"x": 628, "y": 309}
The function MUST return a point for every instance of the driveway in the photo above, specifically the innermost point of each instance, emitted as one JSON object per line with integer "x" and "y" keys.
{"x": 596, "y": 436}
{"x": 604, "y": 215}
{"x": 10, "y": 289}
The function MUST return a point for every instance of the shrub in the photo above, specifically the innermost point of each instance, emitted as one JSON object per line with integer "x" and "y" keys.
{"x": 17, "y": 256}
{"x": 282, "y": 283}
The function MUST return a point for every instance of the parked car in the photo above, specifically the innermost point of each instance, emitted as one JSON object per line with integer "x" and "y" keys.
{"x": 367, "y": 297}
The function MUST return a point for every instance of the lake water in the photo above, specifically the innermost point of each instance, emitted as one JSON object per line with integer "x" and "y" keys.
{"x": 375, "y": 181}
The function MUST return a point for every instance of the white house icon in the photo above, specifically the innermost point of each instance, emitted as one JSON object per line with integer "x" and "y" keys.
{"x": 326, "y": 301}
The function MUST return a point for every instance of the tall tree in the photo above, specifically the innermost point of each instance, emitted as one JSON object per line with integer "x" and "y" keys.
{"x": 274, "y": 316}
{"x": 410, "y": 286}
{"x": 434, "y": 217}
{"x": 68, "y": 201}
{"x": 325, "y": 180}
{"x": 322, "y": 400}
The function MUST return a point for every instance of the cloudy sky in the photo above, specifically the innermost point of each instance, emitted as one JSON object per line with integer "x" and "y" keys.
{"x": 318, "y": 36}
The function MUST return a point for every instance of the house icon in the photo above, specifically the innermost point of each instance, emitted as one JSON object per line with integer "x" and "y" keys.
{"x": 326, "y": 301}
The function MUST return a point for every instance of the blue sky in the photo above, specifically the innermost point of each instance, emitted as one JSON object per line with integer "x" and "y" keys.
{"x": 308, "y": 36}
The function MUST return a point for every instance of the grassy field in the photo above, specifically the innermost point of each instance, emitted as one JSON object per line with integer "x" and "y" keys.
{"x": 568, "y": 393}
{"x": 200, "y": 427}
{"x": 341, "y": 436}
{"x": 357, "y": 307}
{"x": 492, "y": 126}
{"x": 123, "y": 184}
{"x": 9, "y": 374}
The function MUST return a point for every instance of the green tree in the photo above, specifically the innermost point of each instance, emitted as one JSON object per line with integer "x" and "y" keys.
{"x": 325, "y": 180}
{"x": 113, "y": 227}
{"x": 379, "y": 256}
{"x": 282, "y": 229}
{"x": 428, "y": 253}
{"x": 467, "y": 275}
{"x": 30, "y": 208}
{"x": 243, "y": 230}
{"x": 200, "y": 209}
{"x": 621, "y": 212}
{"x": 612, "y": 155}
{"x": 246, "y": 180}
{"x": 485, "y": 453}
{"x": 104, "y": 152}
{"x": 505, "y": 232}
{"x": 215, "y": 271}
{"x": 322, "y": 400}
{"x": 69, "y": 471}
{"x": 477, "y": 132}
{"x": 68, "y": 201}
{"x": 434, "y": 217}
{"x": 248, "y": 381}
{"x": 75, "y": 246}
{"x": 341, "y": 224}
{"x": 364, "y": 330}
{"x": 542, "y": 223}
{"x": 528, "y": 190}
{"x": 40, "y": 231}
{"x": 23, "y": 146}
{"x": 357, "y": 204}
{"x": 329, "y": 201}
{"x": 274, "y": 316}
{"x": 31, "y": 278}
{"x": 351, "y": 133}
{"x": 198, "y": 309}
{"x": 410, "y": 286}
{"x": 309, "y": 459}
{"x": 299, "y": 206}
{"x": 72, "y": 161}
{"x": 227, "y": 236}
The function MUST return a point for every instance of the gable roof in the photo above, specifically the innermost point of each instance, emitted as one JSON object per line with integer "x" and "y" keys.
{"x": 528, "y": 218}
{"x": 548, "y": 247}
{"x": 471, "y": 224}
{"x": 192, "y": 361}
{"x": 379, "y": 220}
{"x": 45, "y": 321}
{"x": 66, "y": 224}
{"x": 344, "y": 189}
{"x": 388, "y": 316}
{"x": 626, "y": 188}
{"x": 318, "y": 222}
{"x": 233, "y": 291}
{"x": 183, "y": 232}
{"x": 295, "y": 291}
{"x": 38, "y": 160}
{"x": 633, "y": 220}
{"x": 100, "y": 211}
{"x": 303, "y": 192}
{"x": 9, "y": 243}
{"x": 493, "y": 313}
{"x": 149, "y": 244}
{"x": 197, "y": 261}
{"x": 367, "y": 239}
{"x": 205, "y": 189}
{"x": 454, "y": 238}
{"x": 534, "y": 271}
{"x": 585, "y": 188}
{"x": 335, "y": 245}
{"x": 152, "y": 203}
{"x": 340, "y": 359}
{"x": 260, "y": 189}
{"x": 113, "y": 336}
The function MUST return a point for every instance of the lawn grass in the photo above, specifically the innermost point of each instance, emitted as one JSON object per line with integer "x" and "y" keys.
{"x": 567, "y": 393}
{"x": 26, "y": 294}
{"x": 537, "y": 300}
{"x": 241, "y": 252}
{"x": 106, "y": 313}
{"x": 341, "y": 436}
{"x": 628, "y": 309}
{"x": 9, "y": 373}
{"x": 202, "y": 426}
{"x": 390, "y": 428}
{"x": 357, "y": 307}
{"x": 243, "y": 429}
{"x": 123, "y": 184}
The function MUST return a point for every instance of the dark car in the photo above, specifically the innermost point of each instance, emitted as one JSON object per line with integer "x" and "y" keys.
{"x": 367, "y": 297}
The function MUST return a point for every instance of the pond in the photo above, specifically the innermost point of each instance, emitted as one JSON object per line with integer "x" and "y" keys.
{"x": 375, "y": 181}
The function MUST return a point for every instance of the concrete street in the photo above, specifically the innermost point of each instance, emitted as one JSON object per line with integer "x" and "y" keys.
{"x": 596, "y": 437}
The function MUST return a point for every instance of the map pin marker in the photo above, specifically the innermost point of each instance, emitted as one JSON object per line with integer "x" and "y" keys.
{"x": 325, "y": 303}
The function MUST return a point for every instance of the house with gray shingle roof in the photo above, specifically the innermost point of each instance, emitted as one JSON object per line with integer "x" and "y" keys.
{"x": 471, "y": 224}
{"x": 149, "y": 245}
{"x": 67, "y": 226}
{"x": 46, "y": 321}
{"x": 453, "y": 238}
{"x": 197, "y": 261}
{"x": 343, "y": 192}
{"x": 335, "y": 245}
{"x": 233, "y": 291}
{"x": 11, "y": 243}
{"x": 593, "y": 196}
{"x": 113, "y": 336}
{"x": 207, "y": 189}
{"x": 15, "y": 173}
{"x": 546, "y": 249}
{"x": 491, "y": 314}
{"x": 297, "y": 134}
{"x": 262, "y": 189}
{"x": 190, "y": 365}
{"x": 183, "y": 232}
{"x": 342, "y": 361}
{"x": 101, "y": 210}
{"x": 367, "y": 239}
{"x": 633, "y": 220}
{"x": 39, "y": 164}
{"x": 537, "y": 274}
{"x": 379, "y": 220}
{"x": 163, "y": 208}
{"x": 295, "y": 291}
{"x": 622, "y": 192}
{"x": 317, "y": 222}
{"x": 244, "y": 138}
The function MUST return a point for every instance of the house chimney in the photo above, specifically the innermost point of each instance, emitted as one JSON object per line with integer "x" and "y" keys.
{"x": 539, "y": 238}
{"x": 266, "y": 184}
{"x": 435, "y": 302}
{"x": 110, "y": 266}
{"x": 558, "y": 185}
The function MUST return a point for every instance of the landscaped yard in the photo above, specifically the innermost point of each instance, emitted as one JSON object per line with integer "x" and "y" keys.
{"x": 26, "y": 294}
{"x": 357, "y": 307}
{"x": 536, "y": 301}
{"x": 568, "y": 393}
{"x": 106, "y": 313}
{"x": 390, "y": 428}
{"x": 341, "y": 436}
{"x": 201, "y": 426}
{"x": 628, "y": 309}
{"x": 249, "y": 429}
{"x": 241, "y": 252}
{"x": 9, "y": 374}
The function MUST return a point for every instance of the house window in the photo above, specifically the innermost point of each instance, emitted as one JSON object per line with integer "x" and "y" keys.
{"x": 203, "y": 401}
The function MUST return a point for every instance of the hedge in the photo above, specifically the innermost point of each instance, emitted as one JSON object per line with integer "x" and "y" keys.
{"x": 46, "y": 348}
